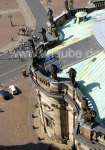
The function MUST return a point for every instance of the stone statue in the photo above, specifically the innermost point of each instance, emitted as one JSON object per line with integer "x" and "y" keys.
{"x": 66, "y": 5}
{"x": 50, "y": 14}
{"x": 84, "y": 104}
{"x": 54, "y": 70}
{"x": 44, "y": 35}
{"x": 70, "y": 4}
{"x": 89, "y": 115}
{"x": 54, "y": 29}
{"x": 35, "y": 62}
{"x": 72, "y": 75}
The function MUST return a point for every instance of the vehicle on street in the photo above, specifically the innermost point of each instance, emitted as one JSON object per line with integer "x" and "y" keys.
{"x": 4, "y": 94}
{"x": 13, "y": 89}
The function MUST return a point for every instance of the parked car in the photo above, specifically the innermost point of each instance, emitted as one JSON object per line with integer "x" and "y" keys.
{"x": 4, "y": 94}
{"x": 13, "y": 89}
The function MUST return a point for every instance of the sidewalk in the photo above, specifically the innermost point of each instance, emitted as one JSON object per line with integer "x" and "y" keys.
{"x": 39, "y": 132}
{"x": 21, "y": 15}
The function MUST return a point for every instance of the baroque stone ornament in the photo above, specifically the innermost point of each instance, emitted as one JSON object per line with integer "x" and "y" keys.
{"x": 72, "y": 75}
{"x": 50, "y": 14}
{"x": 66, "y": 5}
{"x": 43, "y": 32}
{"x": 54, "y": 70}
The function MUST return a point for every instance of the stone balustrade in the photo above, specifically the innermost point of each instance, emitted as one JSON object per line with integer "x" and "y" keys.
{"x": 63, "y": 87}
{"x": 99, "y": 4}
{"x": 90, "y": 132}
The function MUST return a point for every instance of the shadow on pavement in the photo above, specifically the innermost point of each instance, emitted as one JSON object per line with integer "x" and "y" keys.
{"x": 10, "y": 95}
{"x": 30, "y": 146}
{"x": 18, "y": 91}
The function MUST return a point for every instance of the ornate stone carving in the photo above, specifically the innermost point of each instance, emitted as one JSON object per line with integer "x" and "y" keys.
{"x": 70, "y": 4}
{"x": 72, "y": 75}
{"x": 89, "y": 115}
{"x": 50, "y": 14}
{"x": 66, "y": 5}
{"x": 84, "y": 104}
{"x": 54, "y": 70}
{"x": 44, "y": 35}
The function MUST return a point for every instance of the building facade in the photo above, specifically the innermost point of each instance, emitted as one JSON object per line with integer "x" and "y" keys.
{"x": 65, "y": 115}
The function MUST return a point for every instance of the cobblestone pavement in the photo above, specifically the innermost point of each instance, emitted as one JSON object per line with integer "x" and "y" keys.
{"x": 16, "y": 122}
{"x": 14, "y": 127}
{"x": 58, "y": 5}
{"x": 21, "y": 15}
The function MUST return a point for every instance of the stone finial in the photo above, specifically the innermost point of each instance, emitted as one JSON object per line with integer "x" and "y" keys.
{"x": 72, "y": 75}
{"x": 50, "y": 14}
{"x": 43, "y": 32}
{"x": 66, "y": 5}
{"x": 89, "y": 115}
{"x": 54, "y": 70}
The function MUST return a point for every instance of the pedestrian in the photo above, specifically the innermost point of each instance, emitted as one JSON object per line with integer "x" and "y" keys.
{"x": 14, "y": 49}
{"x": 12, "y": 39}
{"x": 22, "y": 40}
{"x": 12, "y": 56}
{"x": 19, "y": 56}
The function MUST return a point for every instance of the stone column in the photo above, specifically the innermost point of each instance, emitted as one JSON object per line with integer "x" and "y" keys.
{"x": 71, "y": 122}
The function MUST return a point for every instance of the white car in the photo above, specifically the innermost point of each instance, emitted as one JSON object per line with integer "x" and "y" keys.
{"x": 13, "y": 89}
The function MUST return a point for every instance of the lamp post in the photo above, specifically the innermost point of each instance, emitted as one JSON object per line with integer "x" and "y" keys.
{"x": 10, "y": 17}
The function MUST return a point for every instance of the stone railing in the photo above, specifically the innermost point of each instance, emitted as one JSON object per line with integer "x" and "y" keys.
{"x": 91, "y": 134}
{"x": 93, "y": 137}
{"x": 42, "y": 80}
{"x": 61, "y": 86}
{"x": 98, "y": 137}
{"x": 60, "y": 20}
{"x": 49, "y": 84}
{"x": 100, "y": 4}
{"x": 85, "y": 131}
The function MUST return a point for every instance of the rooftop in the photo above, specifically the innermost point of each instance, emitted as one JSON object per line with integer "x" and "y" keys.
{"x": 91, "y": 79}
{"x": 82, "y": 50}
{"x": 71, "y": 33}
{"x": 86, "y": 37}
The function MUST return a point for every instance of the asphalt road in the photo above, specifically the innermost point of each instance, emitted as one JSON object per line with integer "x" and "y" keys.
{"x": 12, "y": 68}
{"x": 39, "y": 13}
